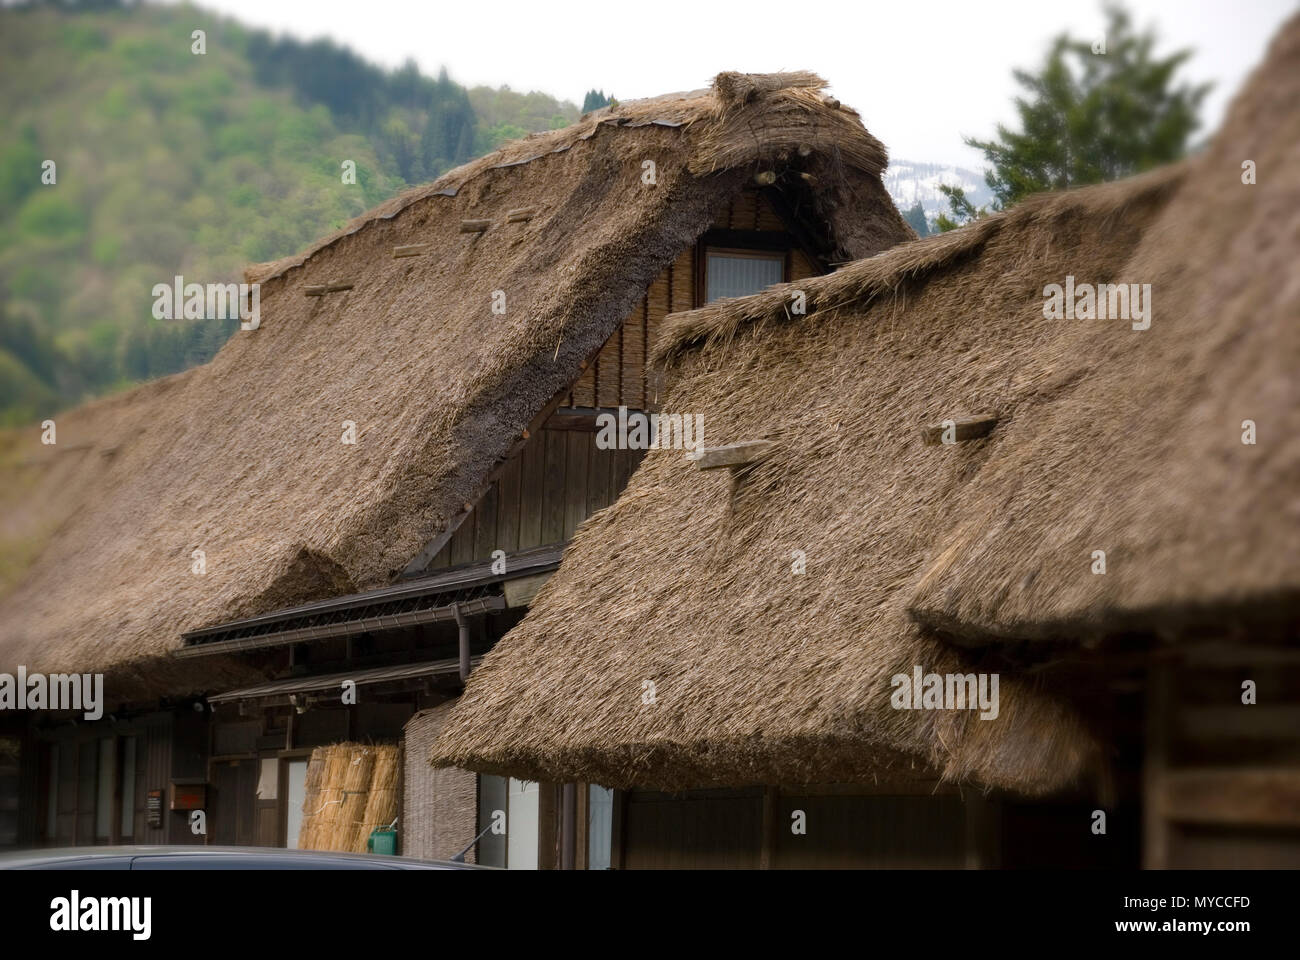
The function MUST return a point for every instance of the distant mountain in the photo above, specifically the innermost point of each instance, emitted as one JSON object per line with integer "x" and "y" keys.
{"x": 910, "y": 183}
{"x": 170, "y": 161}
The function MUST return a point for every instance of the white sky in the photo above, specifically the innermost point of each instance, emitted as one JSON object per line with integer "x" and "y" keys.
{"x": 921, "y": 72}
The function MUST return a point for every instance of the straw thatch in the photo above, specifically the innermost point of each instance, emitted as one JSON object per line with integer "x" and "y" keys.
{"x": 1141, "y": 454}
{"x": 351, "y": 789}
{"x": 242, "y": 458}
{"x": 763, "y": 675}
{"x": 384, "y": 796}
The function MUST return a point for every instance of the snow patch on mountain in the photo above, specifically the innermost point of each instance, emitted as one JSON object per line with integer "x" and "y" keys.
{"x": 909, "y": 183}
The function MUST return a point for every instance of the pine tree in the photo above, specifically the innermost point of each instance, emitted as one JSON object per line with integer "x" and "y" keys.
{"x": 915, "y": 218}
{"x": 1092, "y": 116}
{"x": 594, "y": 100}
{"x": 963, "y": 211}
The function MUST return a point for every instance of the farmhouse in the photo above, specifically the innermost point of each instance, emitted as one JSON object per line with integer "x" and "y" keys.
{"x": 287, "y": 562}
{"x": 1159, "y": 689}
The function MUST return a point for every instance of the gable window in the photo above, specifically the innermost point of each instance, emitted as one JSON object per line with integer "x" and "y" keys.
{"x": 739, "y": 273}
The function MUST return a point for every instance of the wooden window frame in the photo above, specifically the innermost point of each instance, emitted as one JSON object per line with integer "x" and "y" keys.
{"x": 757, "y": 244}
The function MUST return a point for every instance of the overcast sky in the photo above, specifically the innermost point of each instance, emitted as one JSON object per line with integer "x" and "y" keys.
{"x": 921, "y": 72}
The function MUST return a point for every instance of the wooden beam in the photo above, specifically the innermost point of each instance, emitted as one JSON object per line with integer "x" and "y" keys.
{"x": 963, "y": 428}
{"x": 766, "y": 178}
{"x": 474, "y": 226}
{"x": 1242, "y": 796}
{"x": 1241, "y": 722}
{"x": 768, "y": 828}
{"x": 321, "y": 289}
{"x": 733, "y": 455}
{"x": 411, "y": 250}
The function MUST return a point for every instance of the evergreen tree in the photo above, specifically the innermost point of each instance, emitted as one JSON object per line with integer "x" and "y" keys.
{"x": 594, "y": 100}
{"x": 1089, "y": 117}
{"x": 915, "y": 218}
{"x": 963, "y": 211}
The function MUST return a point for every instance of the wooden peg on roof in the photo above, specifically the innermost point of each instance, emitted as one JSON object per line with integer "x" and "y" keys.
{"x": 733, "y": 455}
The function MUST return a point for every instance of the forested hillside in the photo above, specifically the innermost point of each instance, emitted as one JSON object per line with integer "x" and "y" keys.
{"x": 168, "y": 161}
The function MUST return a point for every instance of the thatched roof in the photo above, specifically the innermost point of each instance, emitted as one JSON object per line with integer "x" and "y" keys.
{"x": 241, "y": 458}
{"x": 1141, "y": 454}
{"x": 763, "y": 675}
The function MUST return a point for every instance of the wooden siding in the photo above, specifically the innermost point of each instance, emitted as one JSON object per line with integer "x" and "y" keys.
{"x": 544, "y": 493}
{"x": 559, "y": 477}
{"x": 714, "y": 829}
{"x": 76, "y": 787}
{"x": 846, "y": 827}
{"x": 1222, "y": 778}
{"x": 618, "y": 375}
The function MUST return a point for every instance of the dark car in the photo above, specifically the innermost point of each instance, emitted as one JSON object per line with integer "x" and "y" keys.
{"x": 213, "y": 858}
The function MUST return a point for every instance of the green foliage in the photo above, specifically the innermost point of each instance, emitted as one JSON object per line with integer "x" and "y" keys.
{"x": 505, "y": 115}
{"x": 172, "y": 163}
{"x": 594, "y": 100}
{"x": 1090, "y": 117}
{"x": 963, "y": 211}
{"x": 915, "y": 218}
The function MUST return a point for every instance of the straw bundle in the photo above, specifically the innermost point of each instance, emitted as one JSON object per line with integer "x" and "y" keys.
{"x": 385, "y": 794}
{"x": 352, "y": 788}
{"x": 315, "y": 782}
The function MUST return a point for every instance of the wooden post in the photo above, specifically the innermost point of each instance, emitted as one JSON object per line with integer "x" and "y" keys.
{"x": 983, "y": 830}
{"x": 770, "y": 797}
{"x": 1155, "y": 767}
{"x": 568, "y": 825}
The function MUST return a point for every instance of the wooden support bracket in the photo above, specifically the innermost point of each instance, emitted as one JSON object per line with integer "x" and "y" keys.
{"x": 411, "y": 250}
{"x": 734, "y": 455}
{"x": 963, "y": 428}
{"x": 319, "y": 290}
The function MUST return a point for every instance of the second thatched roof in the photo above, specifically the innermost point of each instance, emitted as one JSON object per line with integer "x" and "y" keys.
{"x": 1106, "y": 438}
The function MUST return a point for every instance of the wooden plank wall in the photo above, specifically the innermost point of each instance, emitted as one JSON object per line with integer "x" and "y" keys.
{"x": 77, "y": 780}
{"x": 846, "y": 827}
{"x": 1223, "y": 777}
{"x": 554, "y": 483}
{"x": 619, "y": 376}
{"x": 560, "y": 478}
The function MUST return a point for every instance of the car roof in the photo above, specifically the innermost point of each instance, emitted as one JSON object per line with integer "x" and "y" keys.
{"x": 51, "y": 856}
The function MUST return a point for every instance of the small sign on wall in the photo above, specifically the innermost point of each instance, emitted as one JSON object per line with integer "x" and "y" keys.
{"x": 153, "y": 809}
{"x": 189, "y": 796}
